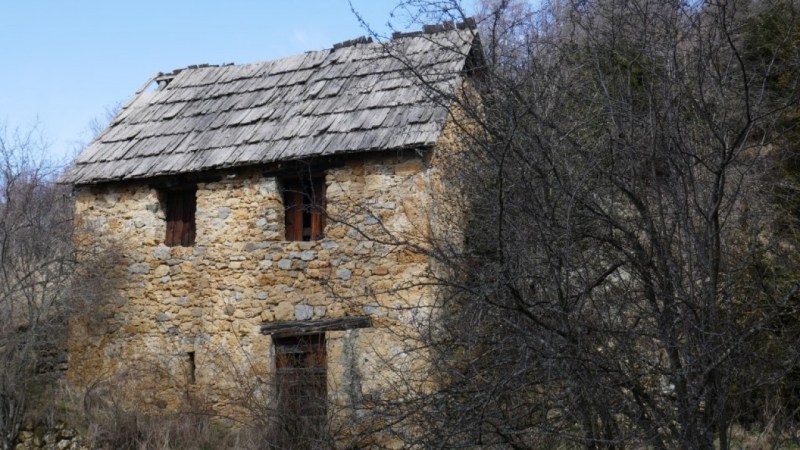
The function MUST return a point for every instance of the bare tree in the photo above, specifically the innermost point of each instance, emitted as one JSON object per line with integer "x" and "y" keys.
{"x": 35, "y": 265}
{"x": 628, "y": 275}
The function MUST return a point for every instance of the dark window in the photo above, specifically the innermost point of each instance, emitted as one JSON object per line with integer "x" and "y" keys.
{"x": 180, "y": 207}
{"x": 304, "y": 203}
{"x": 192, "y": 372}
{"x": 301, "y": 390}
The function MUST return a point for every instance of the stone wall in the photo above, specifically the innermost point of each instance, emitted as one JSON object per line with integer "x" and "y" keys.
{"x": 61, "y": 437}
{"x": 168, "y": 306}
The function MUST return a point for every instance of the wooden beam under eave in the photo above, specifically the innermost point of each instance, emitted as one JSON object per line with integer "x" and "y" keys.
{"x": 286, "y": 328}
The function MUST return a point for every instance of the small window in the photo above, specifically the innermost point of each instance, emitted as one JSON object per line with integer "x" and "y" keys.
{"x": 192, "y": 370}
{"x": 180, "y": 207}
{"x": 304, "y": 204}
{"x": 301, "y": 389}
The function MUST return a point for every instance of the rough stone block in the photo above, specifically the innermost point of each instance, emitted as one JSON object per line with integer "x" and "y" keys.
{"x": 284, "y": 311}
{"x": 138, "y": 269}
{"x": 303, "y": 312}
{"x": 374, "y": 310}
{"x": 410, "y": 167}
{"x": 161, "y": 271}
{"x": 344, "y": 273}
{"x": 162, "y": 253}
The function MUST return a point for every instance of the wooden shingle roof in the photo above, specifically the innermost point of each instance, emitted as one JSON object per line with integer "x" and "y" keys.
{"x": 354, "y": 98}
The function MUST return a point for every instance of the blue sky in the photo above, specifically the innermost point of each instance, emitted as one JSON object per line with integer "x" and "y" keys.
{"x": 65, "y": 62}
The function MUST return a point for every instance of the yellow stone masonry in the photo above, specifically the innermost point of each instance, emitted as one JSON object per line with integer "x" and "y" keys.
{"x": 172, "y": 307}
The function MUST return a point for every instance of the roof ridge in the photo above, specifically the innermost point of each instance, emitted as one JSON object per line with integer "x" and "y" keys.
{"x": 448, "y": 25}
{"x": 352, "y": 42}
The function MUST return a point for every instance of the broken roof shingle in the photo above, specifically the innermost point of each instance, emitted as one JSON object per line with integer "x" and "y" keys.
{"x": 353, "y": 98}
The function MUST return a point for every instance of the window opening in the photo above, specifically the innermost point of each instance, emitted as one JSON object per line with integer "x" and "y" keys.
{"x": 180, "y": 211}
{"x": 304, "y": 204}
{"x": 192, "y": 368}
{"x": 301, "y": 387}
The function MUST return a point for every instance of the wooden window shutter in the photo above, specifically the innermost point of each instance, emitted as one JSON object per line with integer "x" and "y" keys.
{"x": 180, "y": 211}
{"x": 318, "y": 208}
{"x": 170, "y": 238}
{"x": 304, "y": 206}
{"x": 293, "y": 206}
{"x": 188, "y": 212}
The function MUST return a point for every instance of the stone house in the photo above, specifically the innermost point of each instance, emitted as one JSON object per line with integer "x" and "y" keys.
{"x": 260, "y": 216}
